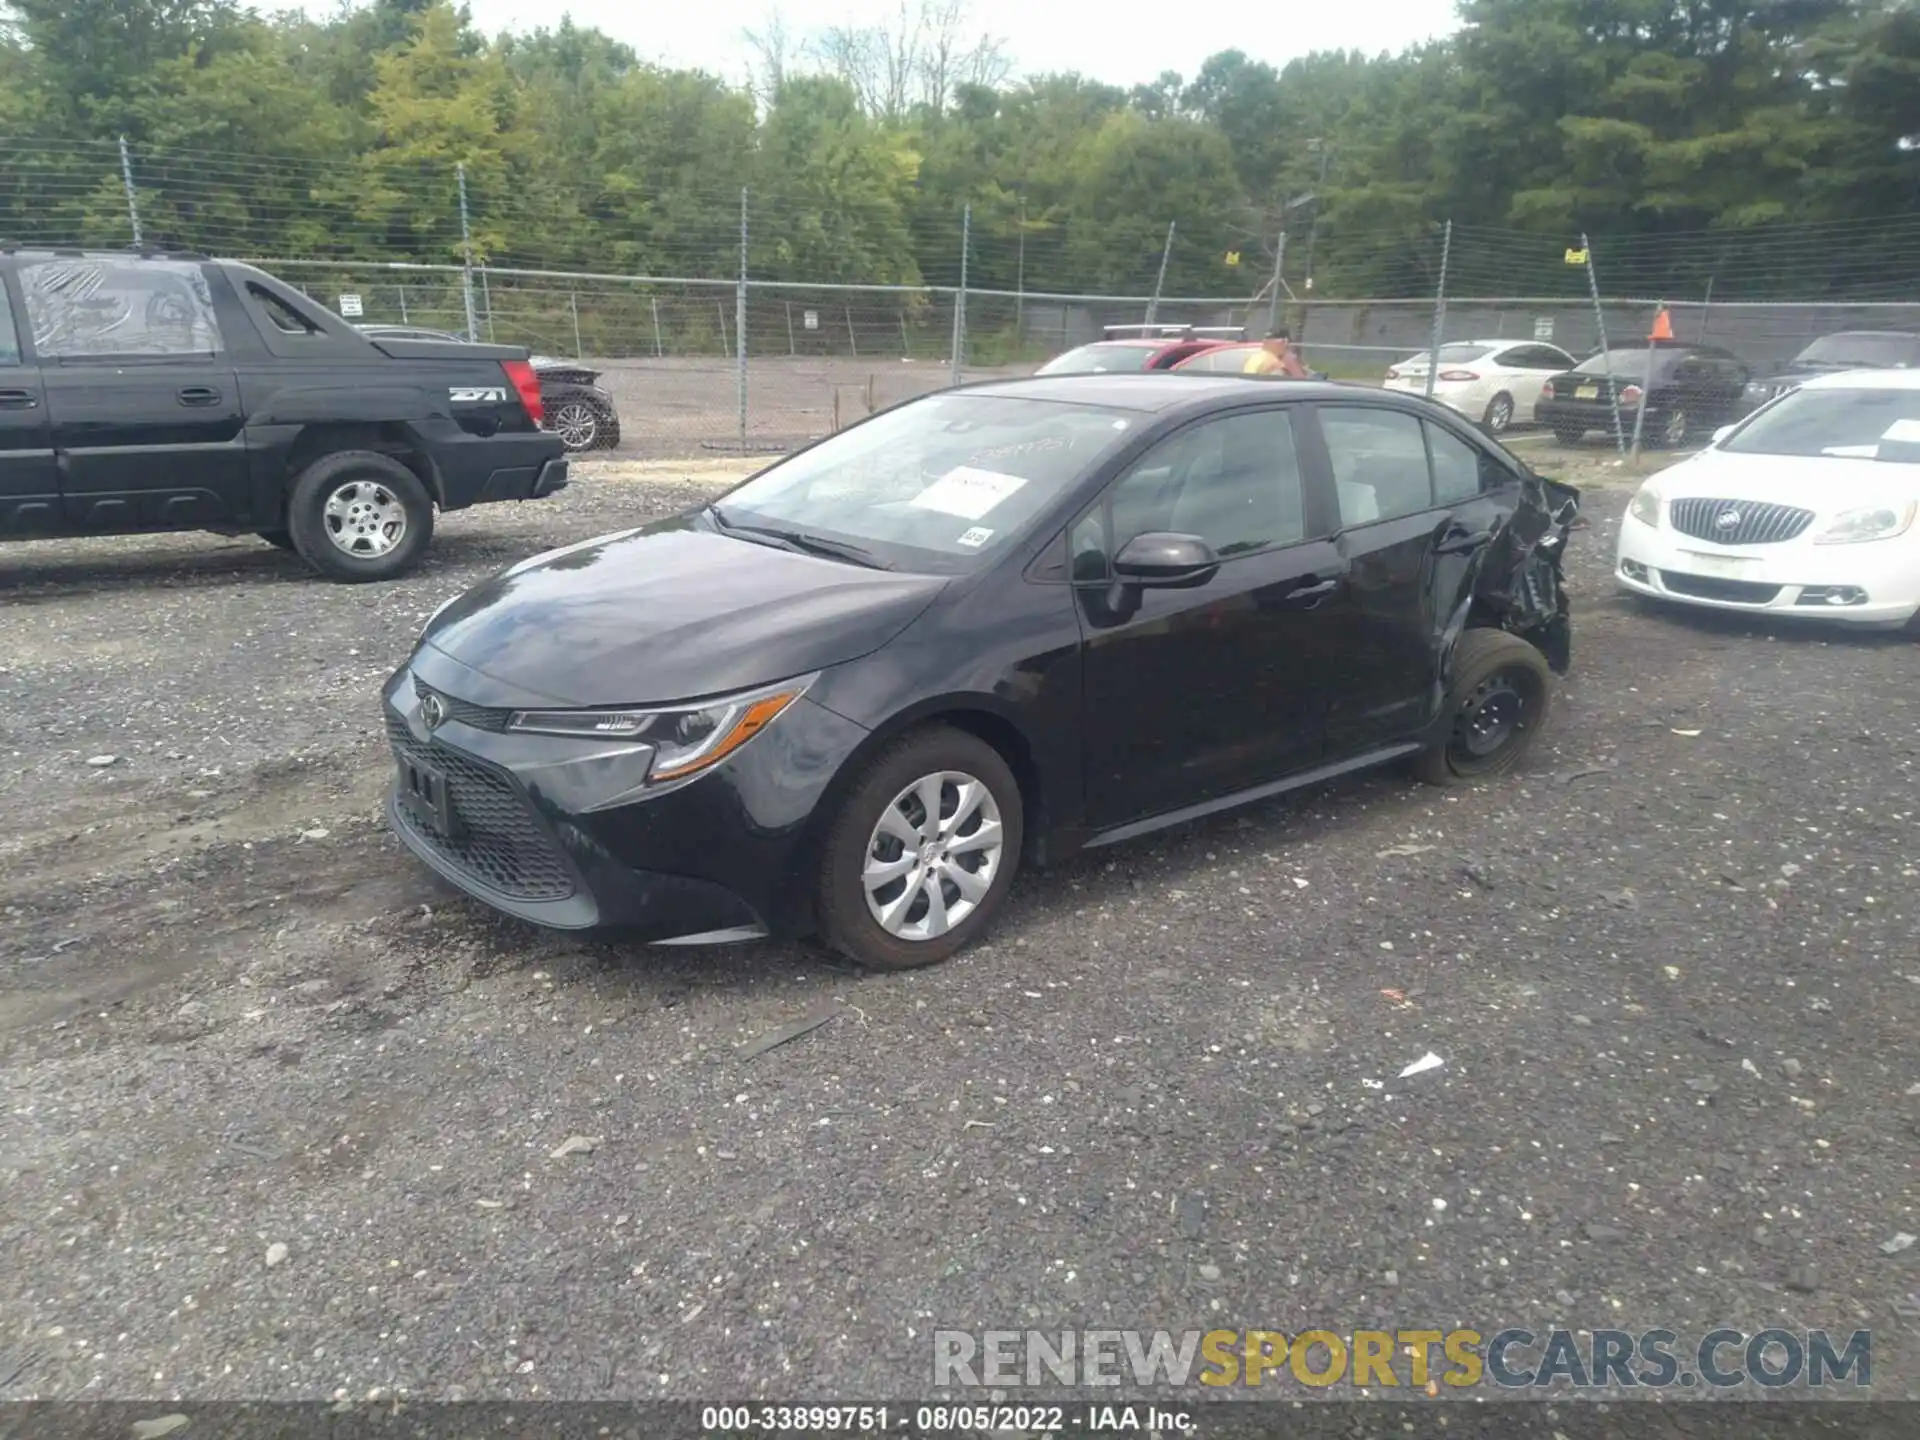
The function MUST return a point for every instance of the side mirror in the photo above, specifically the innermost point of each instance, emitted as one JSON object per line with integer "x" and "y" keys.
{"x": 1167, "y": 562}
{"x": 1720, "y": 435}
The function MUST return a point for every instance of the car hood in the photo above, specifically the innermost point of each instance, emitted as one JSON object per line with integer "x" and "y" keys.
{"x": 667, "y": 613}
{"x": 1819, "y": 484}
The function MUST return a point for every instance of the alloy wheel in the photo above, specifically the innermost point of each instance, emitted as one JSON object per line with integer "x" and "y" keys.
{"x": 576, "y": 425}
{"x": 364, "y": 518}
{"x": 1500, "y": 414}
{"x": 933, "y": 855}
{"x": 1674, "y": 431}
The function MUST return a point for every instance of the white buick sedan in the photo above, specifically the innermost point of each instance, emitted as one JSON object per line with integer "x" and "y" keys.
{"x": 1804, "y": 508}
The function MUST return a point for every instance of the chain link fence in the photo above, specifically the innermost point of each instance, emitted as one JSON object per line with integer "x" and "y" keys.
{"x": 709, "y": 342}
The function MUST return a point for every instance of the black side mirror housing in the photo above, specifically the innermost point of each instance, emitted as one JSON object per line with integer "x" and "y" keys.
{"x": 1166, "y": 561}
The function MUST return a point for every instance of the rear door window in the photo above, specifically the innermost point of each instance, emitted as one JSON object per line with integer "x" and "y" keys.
{"x": 89, "y": 307}
{"x": 1379, "y": 462}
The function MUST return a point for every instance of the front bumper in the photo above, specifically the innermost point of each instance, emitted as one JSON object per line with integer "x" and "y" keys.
{"x": 565, "y": 833}
{"x": 1880, "y": 579}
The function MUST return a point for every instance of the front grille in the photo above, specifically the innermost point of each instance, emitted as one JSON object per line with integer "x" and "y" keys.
{"x": 1712, "y": 587}
{"x": 503, "y": 845}
{"x": 481, "y": 717}
{"x": 1753, "y": 524}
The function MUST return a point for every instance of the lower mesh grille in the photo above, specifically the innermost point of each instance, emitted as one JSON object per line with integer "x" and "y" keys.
{"x": 1712, "y": 587}
{"x": 503, "y": 845}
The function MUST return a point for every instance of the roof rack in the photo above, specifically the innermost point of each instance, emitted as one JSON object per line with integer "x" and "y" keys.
{"x": 1176, "y": 331}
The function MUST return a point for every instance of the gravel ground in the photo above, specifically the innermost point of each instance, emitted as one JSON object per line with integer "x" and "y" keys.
{"x": 282, "y": 1112}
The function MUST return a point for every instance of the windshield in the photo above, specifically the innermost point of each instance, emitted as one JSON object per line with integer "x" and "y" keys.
{"x": 1631, "y": 364}
{"x": 936, "y": 484}
{"x": 1865, "y": 352}
{"x": 1099, "y": 359}
{"x": 1856, "y": 424}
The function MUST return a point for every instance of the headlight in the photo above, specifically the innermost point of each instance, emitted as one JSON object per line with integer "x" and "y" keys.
{"x": 1646, "y": 505}
{"x": 686, "y": 739}
{"x": 1870, "y": 522}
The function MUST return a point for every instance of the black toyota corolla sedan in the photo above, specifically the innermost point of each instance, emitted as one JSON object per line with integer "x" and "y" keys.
{"x": 988, "y": 628}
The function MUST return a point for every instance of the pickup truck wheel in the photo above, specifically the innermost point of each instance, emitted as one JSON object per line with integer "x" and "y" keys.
{"x": 358, "y": 516}
{"x": 279, "y": 539}
{"x": 1496, "y": 703}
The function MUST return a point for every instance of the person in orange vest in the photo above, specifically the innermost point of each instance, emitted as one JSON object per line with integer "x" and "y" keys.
{"x": 1275, "y": 357}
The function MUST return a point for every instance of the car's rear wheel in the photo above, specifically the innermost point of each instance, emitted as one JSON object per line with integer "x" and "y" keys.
{"x": 1499, "y": 414}
{"x": 583, "y": 425}
{"x": 922, "y": 852}
{"x": 1497, "y": 702}
{"x": 358, "y": 515}
{"x": 1569, "y": 434}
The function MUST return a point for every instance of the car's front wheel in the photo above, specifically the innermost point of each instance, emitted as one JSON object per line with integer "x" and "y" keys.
{"x": 358, "y": 515}
{"x": 1497, "y": 702}
{"x": 922, "y": 852}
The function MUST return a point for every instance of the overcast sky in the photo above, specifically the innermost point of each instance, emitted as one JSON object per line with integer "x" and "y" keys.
{"x": 1119, "y": 41}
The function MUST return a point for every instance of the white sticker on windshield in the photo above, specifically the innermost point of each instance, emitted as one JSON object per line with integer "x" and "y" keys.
{"x": 966, "y": 492}
{"x": 1904, "y": 432}
{"x": 975, "y": 538}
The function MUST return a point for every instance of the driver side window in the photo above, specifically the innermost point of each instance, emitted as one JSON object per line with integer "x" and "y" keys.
{"x": 1233, "y": 481}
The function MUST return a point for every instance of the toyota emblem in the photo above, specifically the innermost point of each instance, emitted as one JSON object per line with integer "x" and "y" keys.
{"x": 1728, "y": 519}
{"x": 432, "y": 710}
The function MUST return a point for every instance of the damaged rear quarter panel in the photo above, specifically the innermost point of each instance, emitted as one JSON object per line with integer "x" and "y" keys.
{"x": 1516, "y": 581}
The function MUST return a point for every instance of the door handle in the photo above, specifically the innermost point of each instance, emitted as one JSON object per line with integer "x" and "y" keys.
{"x": 1461, "y": 542}
{"x": 1308, "y": 596}
{"x": 199, "y": 395}
{"x": 18, "y": 400}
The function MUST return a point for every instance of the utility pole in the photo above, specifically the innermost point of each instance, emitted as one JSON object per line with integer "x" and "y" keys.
{"x": 740, "y": 324}
{"x": 960, "y": 296}
{"x": 1020, "y": 283}
{"x": 466, "y": 252}
{"x": 1439, "y": 309}
{"x": 1279, "y": 265}
{"x": 126, "y": 179}
{"x": 1159, "y": 284}
{"x": 1313, "y": 230}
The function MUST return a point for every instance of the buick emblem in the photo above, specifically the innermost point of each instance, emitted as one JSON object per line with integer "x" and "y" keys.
{"x": 1728, "y": 519}
{"x": 433, "y": 711}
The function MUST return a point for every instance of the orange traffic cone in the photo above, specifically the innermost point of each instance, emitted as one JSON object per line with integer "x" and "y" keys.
{"x": 1662, "y": 326}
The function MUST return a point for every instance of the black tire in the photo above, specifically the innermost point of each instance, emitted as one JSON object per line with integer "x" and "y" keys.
{"x": 846, "y": 921}
{"x": 610, "y": 431}
{"x": 1569, "y": 434}
{"x": 279, "y": 539}
{"x": 1674, "y": 430}
{"x": 1499, "y": 417}
{"x": 387, "y": 483}
{"x": 1498, "y": 681}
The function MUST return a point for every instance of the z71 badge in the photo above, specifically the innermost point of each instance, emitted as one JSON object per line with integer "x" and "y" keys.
{"x": 476, "y": 394}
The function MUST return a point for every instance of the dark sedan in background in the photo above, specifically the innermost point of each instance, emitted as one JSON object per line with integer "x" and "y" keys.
{"x": 1830, "y": 354}
{"x": 989, "y": 627}
{"x": 1687, "y": 391}
{"x": 578, "y": 408}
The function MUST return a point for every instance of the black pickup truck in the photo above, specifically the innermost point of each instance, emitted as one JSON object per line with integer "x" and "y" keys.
{"x": 149, "y": 392}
